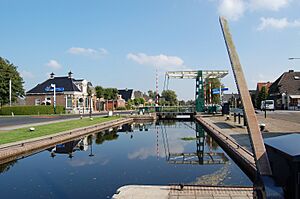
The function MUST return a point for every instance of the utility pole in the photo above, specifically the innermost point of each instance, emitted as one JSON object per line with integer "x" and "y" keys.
{"x": 54, "y": 97}
{"x": 9, "y": 92}
{"x": 156, "y": 91}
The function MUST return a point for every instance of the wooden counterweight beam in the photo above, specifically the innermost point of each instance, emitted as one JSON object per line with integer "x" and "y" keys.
{"x": 259, "y": 150}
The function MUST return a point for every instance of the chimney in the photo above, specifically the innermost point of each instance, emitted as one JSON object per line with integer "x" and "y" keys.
{"x": 291, "y": 71}
{"x": 52, "y": 75}
{"x": 70, "y": 74}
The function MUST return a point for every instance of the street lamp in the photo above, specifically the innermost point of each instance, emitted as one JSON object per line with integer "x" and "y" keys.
{"x": 292, "y": 58}
{"x": 54, "y": 97}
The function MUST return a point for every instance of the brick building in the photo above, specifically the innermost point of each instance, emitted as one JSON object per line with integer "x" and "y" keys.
{"x": 285, "y": 91}
{"x": 70, "y": 93}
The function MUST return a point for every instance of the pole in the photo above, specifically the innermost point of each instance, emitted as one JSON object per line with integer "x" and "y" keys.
{"x": 265, "y": 109}
{"x": 54, "y": 97}
{"x": 91, "y": 106}
{"x": 9, "y": 92}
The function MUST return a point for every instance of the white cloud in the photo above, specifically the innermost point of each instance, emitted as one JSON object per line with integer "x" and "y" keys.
{"x": 232, "y": 9}
{"x": 269, "y": 4}
{"x": 277, "y": 23}
{"x": 87, "y": 51}
{"x": 160, "y": 61}
{"x": 26, "y": 74}
{"x": 53, "y": 64}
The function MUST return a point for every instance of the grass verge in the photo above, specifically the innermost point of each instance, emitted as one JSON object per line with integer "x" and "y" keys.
{"x": 188, "y": 138}
{"x": 48, "y": 129}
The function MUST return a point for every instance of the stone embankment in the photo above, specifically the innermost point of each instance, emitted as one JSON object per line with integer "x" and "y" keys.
{"x": 12, "y": 151}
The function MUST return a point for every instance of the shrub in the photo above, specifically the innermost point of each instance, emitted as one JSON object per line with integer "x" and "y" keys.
{"x": 30, "y": 110}
{"x": 121, "y": 108}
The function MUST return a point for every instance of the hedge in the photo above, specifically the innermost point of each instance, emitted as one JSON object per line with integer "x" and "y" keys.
{"x": 30, "y": 110}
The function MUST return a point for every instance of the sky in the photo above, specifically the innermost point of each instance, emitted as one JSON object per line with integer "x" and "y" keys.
{"x": 117, "y": 43}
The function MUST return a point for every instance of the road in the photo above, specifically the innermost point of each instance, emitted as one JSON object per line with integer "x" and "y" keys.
{"x": 20, "y": 121}
{"x": 291, "y": 116}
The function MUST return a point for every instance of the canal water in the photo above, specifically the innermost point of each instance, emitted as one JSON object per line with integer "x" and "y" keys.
{"x": 96, "y": 166}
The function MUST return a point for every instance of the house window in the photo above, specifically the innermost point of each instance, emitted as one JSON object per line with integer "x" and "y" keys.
{"x": 69, "y": 102}
{"x": 37, "y": 102}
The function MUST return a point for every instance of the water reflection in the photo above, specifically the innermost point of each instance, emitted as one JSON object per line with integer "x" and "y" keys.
{"x": 83, "y": 144}
{"x": 7, "y": 166}
{"x": 132, "y": 154}
{"x": 200, "y": 156}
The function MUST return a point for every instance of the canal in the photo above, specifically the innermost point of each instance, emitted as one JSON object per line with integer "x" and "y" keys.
{"x": 95, "y": 166}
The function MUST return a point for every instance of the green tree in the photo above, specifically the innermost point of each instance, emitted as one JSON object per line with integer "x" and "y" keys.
{"x": 9, "y": 71}
{"x": 151, "y": 94}
{"x": 99, "y": 91}
{"x": 110, "y": 93}
{"x": 215, "y": 83}
{"x": 262, "y": 95}
{"x": 138, "y": 101}
{"x": 169, "y": 97}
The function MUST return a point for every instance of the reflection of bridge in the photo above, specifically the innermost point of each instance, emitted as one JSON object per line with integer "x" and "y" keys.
{"x": 195, "y": 158}
{"x": 199, "y": 157}
{"x": 170, "y": 112}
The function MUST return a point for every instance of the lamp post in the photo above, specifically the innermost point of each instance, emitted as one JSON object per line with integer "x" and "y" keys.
{"x": 292, "y": 58}
{"x": 54, "y": 97}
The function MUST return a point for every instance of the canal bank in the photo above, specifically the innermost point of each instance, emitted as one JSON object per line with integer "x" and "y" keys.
{"x": 15, "y": 150}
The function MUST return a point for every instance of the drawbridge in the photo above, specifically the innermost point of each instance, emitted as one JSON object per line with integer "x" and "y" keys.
{"x": 202, "y": 78}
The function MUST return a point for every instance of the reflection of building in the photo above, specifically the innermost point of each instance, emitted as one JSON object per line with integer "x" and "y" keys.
{"x": 285, "y": 91}
{"x": 70, "y": 93}
{"x": 69, "y": 147}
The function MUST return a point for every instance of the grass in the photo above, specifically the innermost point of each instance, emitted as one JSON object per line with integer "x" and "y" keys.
{"x": 48, "y": 129}
{"x": 188, "y": 138}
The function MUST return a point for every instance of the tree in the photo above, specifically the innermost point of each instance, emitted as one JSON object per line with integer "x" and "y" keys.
{"x": 9, "y": 71}
{"x": 215, "y": 83}
{"x": 99, "y": 91}
{"x": 110, "y": 93}
{"x": 138, "y": 94}
{"x": 151, "y": 94}
{"x": 138, "y": 101}
{"x": 262, "y": 95}
{"x": 169, "y": 97}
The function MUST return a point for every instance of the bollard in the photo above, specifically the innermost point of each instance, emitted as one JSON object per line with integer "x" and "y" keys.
{"x": 245, "y": 120}
{"x": 239, "y": 116}
{"x": 234, "y": 115}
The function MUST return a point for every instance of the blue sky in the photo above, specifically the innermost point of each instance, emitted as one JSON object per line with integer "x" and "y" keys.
{"x": 117, "y": 43}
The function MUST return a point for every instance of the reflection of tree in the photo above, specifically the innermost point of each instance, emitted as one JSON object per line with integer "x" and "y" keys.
{"x": 6, "y": 166}
{"x": 90, "y": 139}
{"x": 100, "y": 137}
{"x": 168, "y": 122}
{"x": 211, "y": 142}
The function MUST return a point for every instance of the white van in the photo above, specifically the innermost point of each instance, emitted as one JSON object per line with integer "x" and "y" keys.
{"x": 268, "y": 105}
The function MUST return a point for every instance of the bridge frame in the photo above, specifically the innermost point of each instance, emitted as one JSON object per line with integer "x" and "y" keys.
{"x": 201, "y": 76}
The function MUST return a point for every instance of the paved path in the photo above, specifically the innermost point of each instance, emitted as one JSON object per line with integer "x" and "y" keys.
{"x": 277, "y": 123}
{"x": 188, "y": 192}
{"x": 10, "y": 123}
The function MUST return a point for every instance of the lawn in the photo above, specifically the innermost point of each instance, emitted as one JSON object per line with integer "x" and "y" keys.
{"x": 48, "y": 129}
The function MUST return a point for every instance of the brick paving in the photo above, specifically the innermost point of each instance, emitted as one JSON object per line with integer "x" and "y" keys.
{"x": 187, "y": 192}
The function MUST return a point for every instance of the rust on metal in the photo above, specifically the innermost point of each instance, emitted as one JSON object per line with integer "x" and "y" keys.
{"x": 260, "y": 155}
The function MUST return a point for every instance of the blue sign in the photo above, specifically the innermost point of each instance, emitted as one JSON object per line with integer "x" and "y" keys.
{"x": 225, "y": 89}
{"x": 216, "y": 92}
{"x": 58, "y": 89}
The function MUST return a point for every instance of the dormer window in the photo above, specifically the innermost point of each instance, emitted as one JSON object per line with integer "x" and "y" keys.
{"x": 296, "y": 77}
